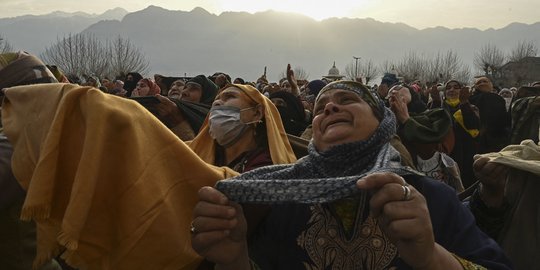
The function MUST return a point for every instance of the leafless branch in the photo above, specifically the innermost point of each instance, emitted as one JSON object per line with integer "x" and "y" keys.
{"x": 523, "y": 49}
{"x": 85, "y": 55}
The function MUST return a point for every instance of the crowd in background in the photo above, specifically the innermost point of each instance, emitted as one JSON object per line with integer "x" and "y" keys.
{"x": 440, "y": 129}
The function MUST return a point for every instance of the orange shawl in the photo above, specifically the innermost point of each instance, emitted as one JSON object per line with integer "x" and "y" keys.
{"x": 104, "y": 178}
{"x": 280, "y": 149}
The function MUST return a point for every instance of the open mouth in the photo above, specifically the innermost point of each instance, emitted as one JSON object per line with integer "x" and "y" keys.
{"x": 335, "y": 122}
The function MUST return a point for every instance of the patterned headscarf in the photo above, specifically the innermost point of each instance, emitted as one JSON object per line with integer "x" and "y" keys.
{"x": 21, "y": 68}
{"x": 361, "y": 90}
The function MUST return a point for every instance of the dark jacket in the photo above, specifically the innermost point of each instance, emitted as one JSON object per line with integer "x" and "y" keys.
{"x": 494, "y": 121}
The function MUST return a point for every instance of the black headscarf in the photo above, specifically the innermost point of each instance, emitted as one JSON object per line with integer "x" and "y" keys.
{"x": 209, "y": 89}
{"x": 293, "y": 115}
{"x": 194, "y": 113}
{"x": 416, "y": 105}
{"x": 129, "y": 86}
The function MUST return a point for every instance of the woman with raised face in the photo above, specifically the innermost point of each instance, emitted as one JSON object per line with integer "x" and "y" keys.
{"x": 349, "y": 204}
{"x": 145, "y": 87}
{"x": 425, "y": 133}
{"x": 466, "y": 125}
{"x": 341, "y": 116}
{"x": 186, "y": 106}
{"x": 494, "y": 119}
{"x": 243, "y": 131}
{"x": 175, "y": 92}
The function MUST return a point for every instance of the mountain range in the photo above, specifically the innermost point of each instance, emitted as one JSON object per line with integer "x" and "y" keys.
{"x": 33, "y": 33}
{"x": 242, "y": 44}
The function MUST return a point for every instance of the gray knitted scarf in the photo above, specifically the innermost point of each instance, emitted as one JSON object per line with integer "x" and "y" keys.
{"x": 320, "y": 177}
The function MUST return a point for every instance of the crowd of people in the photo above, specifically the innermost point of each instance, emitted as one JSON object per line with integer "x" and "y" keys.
{"x": 292, "y": 174}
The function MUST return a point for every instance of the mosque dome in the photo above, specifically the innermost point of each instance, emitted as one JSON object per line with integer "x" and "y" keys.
{"x": 333, "y": 74}
{"x": 333, "y": 71}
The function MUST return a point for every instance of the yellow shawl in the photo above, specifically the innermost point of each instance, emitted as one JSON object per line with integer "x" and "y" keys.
{"x": 280, "y": 149}
{"x": 104, "y": 178}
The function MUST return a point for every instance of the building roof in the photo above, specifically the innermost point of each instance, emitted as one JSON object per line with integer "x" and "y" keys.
{"x": 333, "y": 73}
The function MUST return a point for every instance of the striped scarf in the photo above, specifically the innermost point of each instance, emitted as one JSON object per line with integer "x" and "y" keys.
{"x": 320, "y": 177}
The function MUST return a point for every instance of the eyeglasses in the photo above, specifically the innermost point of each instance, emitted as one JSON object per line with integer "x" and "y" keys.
{"x": 449, "y": 87}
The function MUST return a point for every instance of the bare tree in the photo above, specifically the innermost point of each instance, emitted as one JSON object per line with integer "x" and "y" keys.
{"x": 412, "y": 66}
{"x": 523, "y": 49}
{"x": 84, "y": 54}
{"x": 124, "y": 57}
{"x": 352, "y": 71}
{"x": 489, "y": 59}
{"x": 95, "y": 56}
{"x": 446, "y": 66}
{"x": 75, "y": 54}
{"x": 388, "y": 67}
{"x": 365, "y": 69}
{"x": 4, "y": 45}
{"x": 369, "y": 70}
{"x": 299, "y": 73}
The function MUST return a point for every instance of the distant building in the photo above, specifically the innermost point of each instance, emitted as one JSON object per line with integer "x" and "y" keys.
{"x": 518, "y": 73}
{"x": 333, "y": 74}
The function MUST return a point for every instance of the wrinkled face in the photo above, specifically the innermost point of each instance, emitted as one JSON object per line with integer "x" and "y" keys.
{"x": 341, "y": 116}
{"x": 192, "y": 93}
{"x": 402, "y": 92}
{"x": 176, "y": 89}
{"x": 483, "y": 84}
{"x": 232, "y": 96}
{"x": 143, "y": 88}
{"x": 452, "y": 90}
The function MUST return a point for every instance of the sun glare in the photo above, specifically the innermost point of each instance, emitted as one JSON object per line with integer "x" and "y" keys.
{"x": 316, "y": 9}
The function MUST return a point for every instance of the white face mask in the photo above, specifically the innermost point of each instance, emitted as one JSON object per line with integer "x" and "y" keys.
{"x": 226, "y": 127}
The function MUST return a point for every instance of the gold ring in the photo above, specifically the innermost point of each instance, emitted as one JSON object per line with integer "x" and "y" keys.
{"x": 192, "y": 229}
{"x": 406, "y": 193}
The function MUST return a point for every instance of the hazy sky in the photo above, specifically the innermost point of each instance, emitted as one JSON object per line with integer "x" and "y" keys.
{"x": 481, "y": 14}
